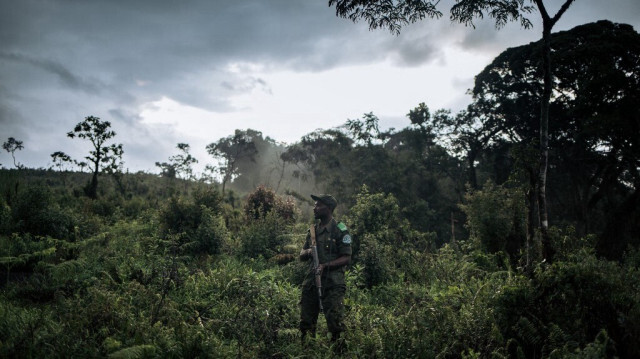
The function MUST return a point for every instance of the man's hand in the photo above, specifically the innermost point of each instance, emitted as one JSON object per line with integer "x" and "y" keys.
{"x": 338, "y": 262}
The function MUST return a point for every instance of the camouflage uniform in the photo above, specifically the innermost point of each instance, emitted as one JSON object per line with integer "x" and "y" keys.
{"x": 332, "y": 242}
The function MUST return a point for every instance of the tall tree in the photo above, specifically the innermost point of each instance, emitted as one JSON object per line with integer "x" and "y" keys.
{"x": 259, "y": 170}
{"x": 323, "y": 156}
{"x": 593, "y": 141}
{"x": 59, "y": 158}
{"x": 12, "y": 145}
{"x": 104, "y": 158}
{"x": 182, "y": 163}
{"x": 466, "y": 135}
{"x": 364, "y": 131}
{"x": 168, "y": 169}
{"x": 393, "y": 14}
{"x": 230, "y": 151}
{"x": 425, "y": 178}
{"x": 548, "y": 22}
{"x": 296, "y": 156}
{"x": 407, "y": 164}
{"x": 278, "y": 166}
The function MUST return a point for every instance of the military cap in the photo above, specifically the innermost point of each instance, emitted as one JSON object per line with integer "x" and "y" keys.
{"x": 327, "y": 199}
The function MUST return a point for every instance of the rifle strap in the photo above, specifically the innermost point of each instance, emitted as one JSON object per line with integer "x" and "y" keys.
{"x": 312, "y": 231}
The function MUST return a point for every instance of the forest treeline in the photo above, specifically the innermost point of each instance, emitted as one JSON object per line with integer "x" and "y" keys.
{"x": 447, "y": 259}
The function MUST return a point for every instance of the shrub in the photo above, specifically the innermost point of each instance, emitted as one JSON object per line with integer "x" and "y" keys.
{"x": 209, "y": 198}
{"x": 210, "y": 234}
{"x": 572, "y": 301}
{"x": 27, "y": 332}
{"x": 496, "y": 219}
{"x": 102, "y": 207}
{"x": 264, "y": 200}
{"x": 265, "y": 237}
{"x": 134, "y": 207}
{"x": 20, "y": 253}
{"x": 196, "y": 222}
{"x": 5, "y": 218}
{"x": 378, "y": 260}
{"x": 34, "y": 211}
{"x": 383, "y": 239}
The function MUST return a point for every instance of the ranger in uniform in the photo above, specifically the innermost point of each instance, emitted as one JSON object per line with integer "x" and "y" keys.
{"x": 334, "y": 253}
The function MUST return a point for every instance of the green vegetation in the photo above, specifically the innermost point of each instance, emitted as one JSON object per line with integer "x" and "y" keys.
{"x": 448, "y": 258}
{"x": 161, "y": 275}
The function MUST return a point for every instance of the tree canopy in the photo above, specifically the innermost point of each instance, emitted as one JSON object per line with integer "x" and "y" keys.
{"x": 393, "y": 14}
{"x": 230, "y": 151}
{"x": 12, "y": 145}
{"x": 594, "y": 142}
{"x": 103, "y": 158}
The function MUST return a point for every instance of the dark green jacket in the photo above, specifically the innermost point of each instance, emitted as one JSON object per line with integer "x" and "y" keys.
{"x": 332, "y": 242}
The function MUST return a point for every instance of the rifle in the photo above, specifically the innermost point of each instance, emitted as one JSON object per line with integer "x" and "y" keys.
{"x": 316, "y": 264}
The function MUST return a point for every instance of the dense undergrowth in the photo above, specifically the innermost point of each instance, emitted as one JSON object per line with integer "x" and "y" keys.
{"x": 171, "y": 272}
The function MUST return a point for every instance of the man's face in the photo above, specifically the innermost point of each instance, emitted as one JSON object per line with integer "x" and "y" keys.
{"x": 321, "y": 210}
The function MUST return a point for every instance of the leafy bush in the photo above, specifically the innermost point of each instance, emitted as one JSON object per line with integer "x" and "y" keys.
{"x": 210, "y": 234}
{"x": 264, "y": 200}
{"x": 567, "y": 244}
{"x": 35, "y": 211}
{"x": 134, "y": 207}
{"x": 265, "y": 237}
{"x": 102, "y": 207}
{"x": 196, "y": 221}
{"x": 28, "y": 331}
{"x": 129, "y": 284}
{"x": 378, "y": 260}
{"x": 271, "y": 220}
{"x": 496, "y": 218}
{"x": 5, "y": 218}
{"x": 383, "y": 239}
{"x": 249, "y": 308}
{"x": 208, "y": 197}
{"x": 21, "y": 253}
{"x": 572, "y": 302}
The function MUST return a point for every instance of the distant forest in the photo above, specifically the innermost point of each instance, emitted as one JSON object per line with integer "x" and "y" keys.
{"x": 450, "y": 258}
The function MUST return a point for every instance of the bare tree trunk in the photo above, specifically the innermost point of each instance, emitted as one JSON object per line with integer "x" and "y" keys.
{"x": 453, "y": 228}
{"x": 547, "y": 25}
{"x": 531, "y": 216}
{"x": 471, "y": 159}
{"x": 547, "y": 251}
{"x": 92, "y": 188}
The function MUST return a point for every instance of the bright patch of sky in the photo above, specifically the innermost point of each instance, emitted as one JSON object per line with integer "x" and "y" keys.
{"x": 167, "y": 72}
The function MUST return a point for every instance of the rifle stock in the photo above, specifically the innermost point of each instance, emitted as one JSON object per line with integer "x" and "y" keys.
{"x": 316, "y": 264}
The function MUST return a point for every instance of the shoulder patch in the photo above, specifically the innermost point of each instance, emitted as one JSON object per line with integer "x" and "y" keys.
{"x": 346, "y": 239}
{"x": 342, "y": 226}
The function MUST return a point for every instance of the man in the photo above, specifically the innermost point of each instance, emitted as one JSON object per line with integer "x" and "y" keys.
{"x": 333, "y": 244}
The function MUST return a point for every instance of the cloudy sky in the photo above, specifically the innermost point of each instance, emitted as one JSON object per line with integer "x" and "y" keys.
{"x": 193, "y": 71}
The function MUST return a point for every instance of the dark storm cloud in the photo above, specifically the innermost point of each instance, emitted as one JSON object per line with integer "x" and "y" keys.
{"x": 93, "y": 45}
{"x": 133, "y": 52}
{"x": 485, "y": 37}
{"x": 417, "y": 44}
{"x": 62, "y": 60}
{"x": 65, "y": 75}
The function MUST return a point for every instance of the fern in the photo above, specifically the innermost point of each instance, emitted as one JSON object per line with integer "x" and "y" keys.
{"x": 557, "y": 338}
{"x": 135, "y": 352}
{"x": 528, "y": 331}
{"x": 65, "y": 270}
